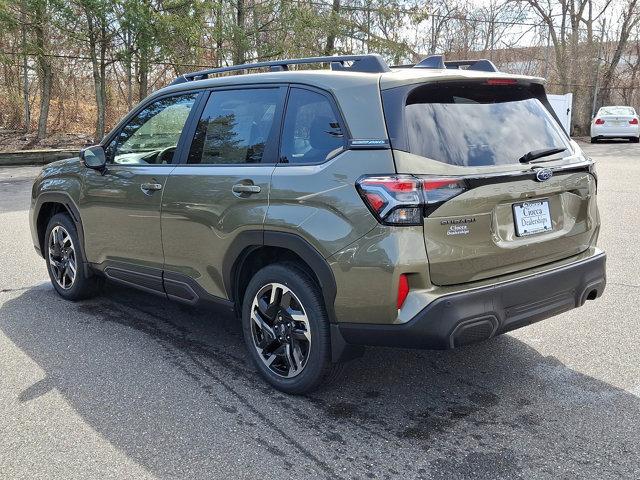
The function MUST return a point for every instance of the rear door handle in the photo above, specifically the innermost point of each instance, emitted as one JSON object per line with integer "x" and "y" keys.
{"x": 149, "y": 186}
{"x": 244, "y": 188}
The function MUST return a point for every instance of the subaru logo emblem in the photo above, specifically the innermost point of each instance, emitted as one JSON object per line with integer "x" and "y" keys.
{"x": 544, "y": 174}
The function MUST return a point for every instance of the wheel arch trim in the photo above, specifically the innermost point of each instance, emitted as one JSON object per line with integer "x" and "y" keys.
{"x": 249, "y": 240}
{"x": 61, "y": 198}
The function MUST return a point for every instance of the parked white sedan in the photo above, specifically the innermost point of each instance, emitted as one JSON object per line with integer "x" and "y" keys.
{"x": 615, "y": 122}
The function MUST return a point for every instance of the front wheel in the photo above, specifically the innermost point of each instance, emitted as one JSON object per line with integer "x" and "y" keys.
{"x": 593, "y": 140}
{"x": 65, "y": 260}
{"x": 286, "y": 329}
{"x": 634, "y": 139}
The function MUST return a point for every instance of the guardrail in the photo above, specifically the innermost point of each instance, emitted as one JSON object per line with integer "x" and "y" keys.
{"x": 36, "y": 157}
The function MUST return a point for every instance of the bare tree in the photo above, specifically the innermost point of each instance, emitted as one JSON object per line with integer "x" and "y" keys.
{"x": 577, "y": 44}
{"x": 630, "y": 19}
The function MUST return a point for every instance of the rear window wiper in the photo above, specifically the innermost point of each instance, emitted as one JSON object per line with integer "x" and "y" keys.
{"x": 545, "y": 152}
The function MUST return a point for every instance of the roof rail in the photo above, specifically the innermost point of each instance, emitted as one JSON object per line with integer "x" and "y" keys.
{"x": 371, "y": 63}
{"x": 438, "y": 61}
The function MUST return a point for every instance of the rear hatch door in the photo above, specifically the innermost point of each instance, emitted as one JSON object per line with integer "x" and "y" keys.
{"x": 487, "y": 212}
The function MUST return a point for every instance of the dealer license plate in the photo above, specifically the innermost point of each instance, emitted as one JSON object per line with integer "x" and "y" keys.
{"x": 532, "y": 217}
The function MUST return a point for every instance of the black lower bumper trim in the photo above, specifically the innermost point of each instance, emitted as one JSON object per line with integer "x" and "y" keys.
{"x": 475, "y": 315}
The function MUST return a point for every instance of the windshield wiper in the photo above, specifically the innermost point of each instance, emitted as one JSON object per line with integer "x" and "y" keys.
{"x": 534, "y": 154}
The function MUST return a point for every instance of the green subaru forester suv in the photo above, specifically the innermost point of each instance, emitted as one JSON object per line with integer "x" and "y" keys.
{"x": 429, "y": 206}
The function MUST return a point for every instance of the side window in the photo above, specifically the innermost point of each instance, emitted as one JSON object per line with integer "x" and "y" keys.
{"x": 311, "y": 130}
{"x": 235, "y": 126}
{"x": 151, "y": 137}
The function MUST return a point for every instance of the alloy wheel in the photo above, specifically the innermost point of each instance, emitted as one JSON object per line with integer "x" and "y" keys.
{"x": 62, "y": 257}
{"x": 280, "y": 330}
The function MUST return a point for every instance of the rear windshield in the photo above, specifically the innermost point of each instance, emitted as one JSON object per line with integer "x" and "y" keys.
{"x": 478, "y": 125}
{"x": 617, "y": 111}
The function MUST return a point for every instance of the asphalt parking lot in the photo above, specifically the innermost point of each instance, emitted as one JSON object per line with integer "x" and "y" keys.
{"x": 129, "y": 386}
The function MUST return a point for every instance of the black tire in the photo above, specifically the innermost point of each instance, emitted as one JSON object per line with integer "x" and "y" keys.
{"x": 594, "y": 140}
{"x": 84, "y": 285}
{"x": 318, "y": 367}
{"x": 634, "y": 139}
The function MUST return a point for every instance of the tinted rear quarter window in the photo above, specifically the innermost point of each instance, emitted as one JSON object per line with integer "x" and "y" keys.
{"x": 311, "y": 130}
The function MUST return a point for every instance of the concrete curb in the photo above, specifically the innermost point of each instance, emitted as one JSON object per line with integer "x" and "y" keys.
{"x": 36, "y": 157}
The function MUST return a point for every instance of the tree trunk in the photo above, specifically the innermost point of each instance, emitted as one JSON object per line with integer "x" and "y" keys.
{"x": 219, "y": 34}
{"x": 128, "y": 68}
{"x": 143, "y": 74}
{"x": 25, "y": 69}
{"x": 45, "y": 70}
{"x": 591, "y": 56}
{"x": 102, "y": 99}
{"x": 46, "y": 78}
{"x": 330, "y": 46}
{"x": 239, "y": 47}
{"x": 97, "y": 41}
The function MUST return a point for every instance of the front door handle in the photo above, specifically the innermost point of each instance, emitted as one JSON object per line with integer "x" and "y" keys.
{"x": 149, "y": 187}
{"x": 243, "y": 188}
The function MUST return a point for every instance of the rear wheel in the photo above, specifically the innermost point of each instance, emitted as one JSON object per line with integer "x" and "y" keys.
{"x": 65, "y": 260}
{"x": 286, "y": 329}
{"x": 593, "y": 140}
{"x": 634, "y": 139}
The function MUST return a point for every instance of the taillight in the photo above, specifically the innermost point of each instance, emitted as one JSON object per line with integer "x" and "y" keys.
{"x": 405, "y": 199}
{"x": 599, "y": 121}
{"x": 634, "y": 121}
{"x": 403, "y": 289}
{"x": 439, "y": 190}
{"x": 393, "y": 199}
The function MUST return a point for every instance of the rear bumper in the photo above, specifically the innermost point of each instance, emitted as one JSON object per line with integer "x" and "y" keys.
{"x": 613, "y": 132}
{"x": 472, "y": 316}
{"x": 613, "y": 135}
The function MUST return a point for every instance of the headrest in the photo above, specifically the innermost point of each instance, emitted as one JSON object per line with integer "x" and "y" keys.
{"x": 318, "y": 136}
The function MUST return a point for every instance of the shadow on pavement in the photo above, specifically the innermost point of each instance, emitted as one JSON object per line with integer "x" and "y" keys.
{"x": 171, "y": 387}
{"x": 613, "y": 140}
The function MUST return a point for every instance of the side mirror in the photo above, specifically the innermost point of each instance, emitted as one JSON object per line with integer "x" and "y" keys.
{"x": 94, "y": 157}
